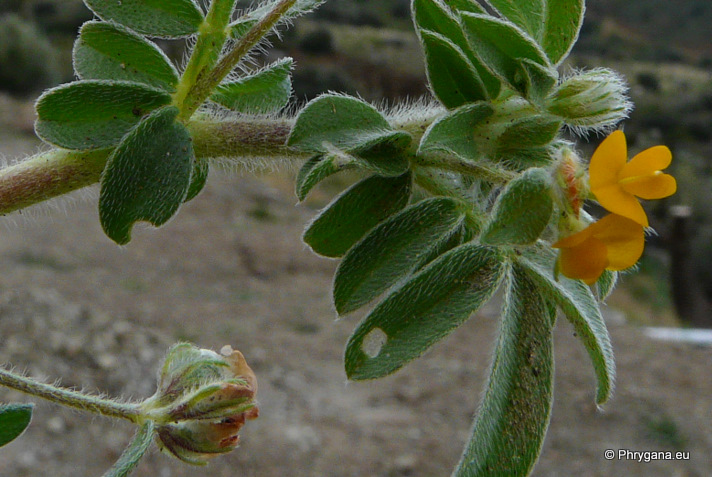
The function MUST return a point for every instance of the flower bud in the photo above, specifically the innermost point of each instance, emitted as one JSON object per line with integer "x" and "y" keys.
{"x": 591, "y": 101}
{"x": 202, "y": 401}
{"x": 571, "y": 177}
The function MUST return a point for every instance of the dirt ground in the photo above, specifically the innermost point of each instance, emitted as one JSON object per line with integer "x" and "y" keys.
{"x": 231, "y": 269}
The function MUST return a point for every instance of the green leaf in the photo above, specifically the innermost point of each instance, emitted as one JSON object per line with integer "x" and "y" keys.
{"x": 511, "y": 424}
{"x": 246, "y": 21}
{"x": 14, "y": 419}
{"x": 385, "y": 155}
{"x": 158, "y": 18}
{"x": 532, "y": 131}
{"x": 198, "y": 178}
{"x": 582, "y": 310}
{"x": 318, "y": 168}
{"x": 263, "y": 92}
{"x": 540, "y": 80}
{"x": 526, "y": 14}
{"x": 502, "y": 46}
{"x": 147, "y": 176}
{"x": 112, "y": 52}
{"x": 334, "y": 121}
{"x": 422, "y": 311}
{"x": 432, "y": 17}
{"x": 352, "y": 214}
{"x": 453, "y": 133}
{"x": 465, "y": 6}
{"x": 562, "y": 25}
{"x": 453, "y": 80}
{"x": 94, "y": 114}
{"x": 522, "y": 210}
{"x": 553, "y": 24}
{"x": 606, "y": 283}
{"x": 393, "y": 250}
{"x": 133, "y": 453}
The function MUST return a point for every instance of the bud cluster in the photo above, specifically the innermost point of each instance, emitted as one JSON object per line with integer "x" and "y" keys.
{"x": 202, "y": 402}
{"x": 591, "y": 101}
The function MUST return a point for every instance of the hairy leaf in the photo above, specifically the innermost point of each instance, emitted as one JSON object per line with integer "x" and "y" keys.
{"x": 393, "y": 250}
{"x": 452, "y": 78}
{"x": 158, "y": 18}
{"x": 526, "y": 14}
{"x": 334, "y": 121}
{"x": 553, "y": 24}
{"x": 198, "y": 178}
{"x": 562, "y": 26}
{"x": 540, "y": 80}
{"x": 249, "y": 19}
{"x": 453, "y": 132}
{"x": 147, "y": 176}
{"x": 425, "y": 309}
{"x": 501, "y": 46}
{"x": 606, "y": 283}
{"x": 352, "y": 214}
{"x": 14, "y": 419}
{"x": 385, "y": 154}
{"x": 432, "y": 17}
{"x": 532, "y": 131}
{"x": 94, "y": 114}
{"x": 511, "y": 423}
{"x": 112, "y": 52}
{"x": 580, "y": 307}
{"x": 263, "y": 92}
{"x": 318, "y": 168}
{"x": 465, "y": 6}
{"x": 522, "y": 211}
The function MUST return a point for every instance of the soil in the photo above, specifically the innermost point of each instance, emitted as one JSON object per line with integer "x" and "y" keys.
{"x": 231, "y": 269}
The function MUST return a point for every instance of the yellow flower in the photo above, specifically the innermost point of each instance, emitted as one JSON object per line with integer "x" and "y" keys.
{"x": 614, "y": 243}
{"x": 616, "y": 183}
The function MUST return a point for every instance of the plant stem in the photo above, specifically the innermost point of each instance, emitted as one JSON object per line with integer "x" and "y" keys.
{"x": 57, "y": 171}
{"x": 67, "y": 397}
{"x": 211, "y": 38}
{"x": 452, "y": 163}
{"x": 205, "y": 85}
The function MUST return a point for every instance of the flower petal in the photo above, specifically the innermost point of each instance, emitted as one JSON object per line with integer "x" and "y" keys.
{"x": 624, "y": 240}
{"x": 575, "y": 239}
{"x": 655, "y": 186}
{"x": 616, "y": 200}
{"x": 607, "y": 161}
{"x": 646, "y": 162}
{"x": 585, "y": 261}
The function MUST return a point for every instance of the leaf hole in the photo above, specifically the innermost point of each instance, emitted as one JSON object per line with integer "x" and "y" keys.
{"x": 373, "y": 342}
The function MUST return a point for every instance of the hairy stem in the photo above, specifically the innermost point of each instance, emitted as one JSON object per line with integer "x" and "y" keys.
{"x": 70, "y": 398}
{"x": 57, "y": 172}
{"x": 206, "y": 84}
{"x": 208, "y": 46}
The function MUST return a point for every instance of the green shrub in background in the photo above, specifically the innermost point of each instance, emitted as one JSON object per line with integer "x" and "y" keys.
{"x": 27, "y": 59}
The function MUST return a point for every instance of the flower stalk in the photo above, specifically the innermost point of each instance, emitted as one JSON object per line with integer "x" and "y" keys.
{"x": 70, "y": 398}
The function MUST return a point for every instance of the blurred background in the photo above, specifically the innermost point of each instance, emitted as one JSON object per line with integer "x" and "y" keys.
{"x": 231, "y": 267}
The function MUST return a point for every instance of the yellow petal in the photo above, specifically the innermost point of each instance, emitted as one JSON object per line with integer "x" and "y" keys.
{"x": 624, "y": 240}
{"x": 607, "y": 161}
{"x": 655, "y": 186}
{"x": 645, "y": 163}
{"x": 616, "y": 200}
{"x": 585, "y": 261}
{"x": 575, "y": 239}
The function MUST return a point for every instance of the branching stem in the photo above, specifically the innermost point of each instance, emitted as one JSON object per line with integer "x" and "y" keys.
{"x": 206, "y": 84}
